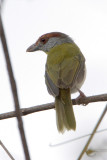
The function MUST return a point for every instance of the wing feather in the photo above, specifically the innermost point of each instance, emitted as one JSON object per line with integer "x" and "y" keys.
{"x": 52, "y": 88}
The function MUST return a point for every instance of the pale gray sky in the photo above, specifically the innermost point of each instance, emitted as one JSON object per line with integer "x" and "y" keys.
{"x": 24, "y": 21}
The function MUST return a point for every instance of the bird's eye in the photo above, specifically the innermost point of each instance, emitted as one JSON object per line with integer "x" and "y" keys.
{"x": 43, "y": 40}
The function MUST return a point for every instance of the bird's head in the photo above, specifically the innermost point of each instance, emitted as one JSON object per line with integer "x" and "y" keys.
{"x": 48, "y": 41}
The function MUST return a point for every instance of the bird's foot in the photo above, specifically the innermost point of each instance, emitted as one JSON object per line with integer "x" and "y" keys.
{"x": 82, "y": 95}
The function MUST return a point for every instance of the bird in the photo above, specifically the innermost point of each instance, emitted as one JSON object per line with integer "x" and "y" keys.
{"x": 65, "y": 72}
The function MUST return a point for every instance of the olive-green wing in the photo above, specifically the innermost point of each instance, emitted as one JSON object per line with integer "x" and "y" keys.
{"x": 70, "y": 70}
{"x": 63, "y": 75}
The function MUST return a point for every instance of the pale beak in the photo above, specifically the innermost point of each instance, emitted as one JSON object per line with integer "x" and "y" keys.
{"x": 32, "y": 48}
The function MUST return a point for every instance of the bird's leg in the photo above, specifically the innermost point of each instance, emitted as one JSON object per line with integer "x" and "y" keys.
{"x": 82, "y": 95}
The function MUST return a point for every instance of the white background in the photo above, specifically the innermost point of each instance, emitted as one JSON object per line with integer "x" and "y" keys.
{"x": 24, "y": 21}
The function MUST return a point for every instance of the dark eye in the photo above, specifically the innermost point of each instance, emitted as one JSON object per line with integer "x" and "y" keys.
{"x": 43, "y": 40}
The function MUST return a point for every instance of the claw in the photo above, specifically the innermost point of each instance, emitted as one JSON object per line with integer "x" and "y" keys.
{"x": 82, "y": 95}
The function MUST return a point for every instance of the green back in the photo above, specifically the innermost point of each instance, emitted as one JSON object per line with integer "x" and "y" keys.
{"x": 63, "y": 64}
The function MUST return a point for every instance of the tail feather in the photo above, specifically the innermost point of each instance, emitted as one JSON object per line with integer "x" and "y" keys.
{"x": 64, "y": 111}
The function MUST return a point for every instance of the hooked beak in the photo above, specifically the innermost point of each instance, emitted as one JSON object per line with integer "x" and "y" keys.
{"x": 32, "y": 48}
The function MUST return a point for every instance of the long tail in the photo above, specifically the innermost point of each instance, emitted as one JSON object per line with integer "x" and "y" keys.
{"x": 64, "y": 111}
